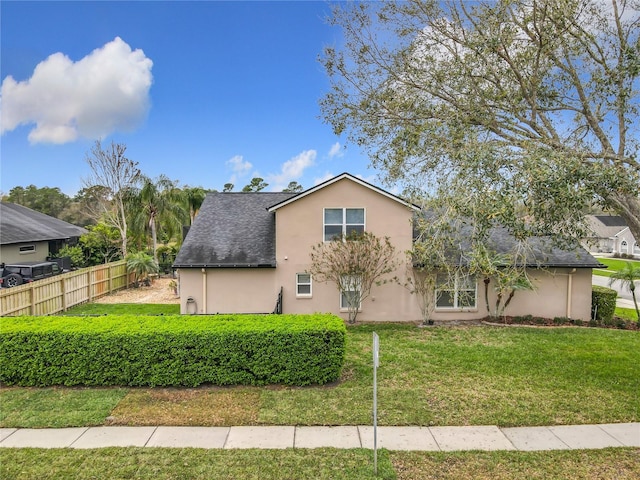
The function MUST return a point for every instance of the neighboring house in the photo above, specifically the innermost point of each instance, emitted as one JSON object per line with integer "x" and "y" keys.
{"x": 27, "y": 235}
{"x": 610, "y": 234}
{"x": 243, "y": 249}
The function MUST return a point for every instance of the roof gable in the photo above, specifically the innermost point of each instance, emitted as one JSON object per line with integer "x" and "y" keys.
{"x": 335, "y": 179}
{"x": 19, "y": 224}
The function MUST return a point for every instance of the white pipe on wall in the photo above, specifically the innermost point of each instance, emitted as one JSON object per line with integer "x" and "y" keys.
{"x": 204, "y": 291}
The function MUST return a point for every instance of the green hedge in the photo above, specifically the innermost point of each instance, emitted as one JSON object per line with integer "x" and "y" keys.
{"x": 603, "y": 304}
{"x": 172, "y": 350}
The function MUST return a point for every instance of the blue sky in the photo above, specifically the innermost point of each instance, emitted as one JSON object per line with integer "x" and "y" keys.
{"x": 203, "y": 92}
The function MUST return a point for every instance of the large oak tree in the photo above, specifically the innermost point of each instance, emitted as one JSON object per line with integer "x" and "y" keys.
{"x": 522, "y": 112}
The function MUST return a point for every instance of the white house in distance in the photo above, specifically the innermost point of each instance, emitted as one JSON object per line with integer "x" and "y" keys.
{"x": 610, "y": 234}
{"x": 250, "y": 253}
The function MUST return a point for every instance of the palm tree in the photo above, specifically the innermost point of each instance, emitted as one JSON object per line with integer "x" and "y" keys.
{"x": 142, "y": 265}
{"x": 193, "y": 197}
{"x": 157, "y": 203}
{"x": 627, "y": 276}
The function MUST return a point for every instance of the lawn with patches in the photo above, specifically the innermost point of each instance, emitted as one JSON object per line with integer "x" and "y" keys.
{"x": 322, "y": 463}
{"x": 123, "y": 309}
{"x": 506, "y": 376}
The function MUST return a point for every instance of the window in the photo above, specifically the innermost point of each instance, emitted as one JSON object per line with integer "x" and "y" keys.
{"x": 350, "y": 290}
{"x": 303, "y": 284}
{"x": 339, "y": 222}
{"x": 28, "y": 249}
{"x": 624, "y": 247}
{"x": 455, "y": 293}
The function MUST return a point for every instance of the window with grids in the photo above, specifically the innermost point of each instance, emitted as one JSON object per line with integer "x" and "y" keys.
{"x": 350, "y": 291}
{"x": 341, "y": 222}
{"x": 303, "y": 284}
{"x": 455, "y": 293}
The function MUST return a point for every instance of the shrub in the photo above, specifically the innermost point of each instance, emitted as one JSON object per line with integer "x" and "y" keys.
{"x": 172, "y": 350}
{"x": 561, "y": 320}
{"x": 603, "y": 304}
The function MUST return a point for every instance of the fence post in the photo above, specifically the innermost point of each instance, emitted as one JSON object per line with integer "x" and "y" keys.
{"x": 64, "y": 294}
{"x": 32, "y": 299}
{"x": 89, "y": 297}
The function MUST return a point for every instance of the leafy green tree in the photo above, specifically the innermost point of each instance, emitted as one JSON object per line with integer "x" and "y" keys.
{"x": 157, "y": 202}
{"x": 528, "y": 109}
{"x": 142, "y": 265}
{"x": 628, "y": 276}
{"x": 101, "y": 244}
{"x": 294, "y": 187}
{"x": 354, "y": 263}
{"x": 75, "y": 254}
{"x": 47, "y": 200}
{"x": 112, "y": 172}
{"x": 255, "y": 185}
{"x": 228, "y": 187}
{"x": 193, "y": 198}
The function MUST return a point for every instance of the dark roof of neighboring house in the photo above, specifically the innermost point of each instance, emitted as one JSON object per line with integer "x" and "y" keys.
{"x": 233, "y": 229}
{"x": 606, "y": 226}
{"x": 20, "y": 224}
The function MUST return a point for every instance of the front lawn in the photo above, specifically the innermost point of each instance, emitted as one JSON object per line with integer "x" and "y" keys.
{"x": 322, "y": 463}
{"x": 506, "y": 376}
{"x": 123, "y": 309}
{"x": 614, "y": 265}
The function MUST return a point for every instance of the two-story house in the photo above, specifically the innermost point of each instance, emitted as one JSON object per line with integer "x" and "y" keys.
{"x": 246, "y": 250}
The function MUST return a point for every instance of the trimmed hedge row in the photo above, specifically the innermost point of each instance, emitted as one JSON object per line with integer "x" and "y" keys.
{"x": 172, "y": 350}
{"x": 603, "y": 304}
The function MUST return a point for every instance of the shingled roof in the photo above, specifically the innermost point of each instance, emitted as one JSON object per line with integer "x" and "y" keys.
{"x": 20, "y": 224}
{"x": 233, "y": 229}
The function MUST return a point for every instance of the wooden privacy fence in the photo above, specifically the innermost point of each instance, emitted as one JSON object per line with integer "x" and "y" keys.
{"x": 57, "y": 294}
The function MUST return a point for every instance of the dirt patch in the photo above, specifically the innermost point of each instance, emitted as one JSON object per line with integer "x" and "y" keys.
{"x": 158, "y": 292}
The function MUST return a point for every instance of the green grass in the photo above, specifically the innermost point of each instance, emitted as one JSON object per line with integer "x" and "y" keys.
{"x": 57, "y": 407}
{"x": 627, "y": 314}
{"x": 614, "y": 265}
{"x": 124, "y": 309}
{"x": 323, "y": 463}
{"x": 427, "y": 376}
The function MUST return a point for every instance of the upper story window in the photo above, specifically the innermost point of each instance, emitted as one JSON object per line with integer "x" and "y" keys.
{"x": 340, "y": 222}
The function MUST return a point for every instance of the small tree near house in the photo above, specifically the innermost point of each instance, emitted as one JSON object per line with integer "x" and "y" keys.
{"x": 354, "y": 263}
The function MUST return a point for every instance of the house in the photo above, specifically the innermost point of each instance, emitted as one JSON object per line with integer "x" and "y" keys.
{"x": 27, "y": 235}
{"x": 249, "y": 253}
{"x": 610, "y": 234}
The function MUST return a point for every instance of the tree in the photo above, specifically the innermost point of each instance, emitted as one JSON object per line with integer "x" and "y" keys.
{"x": 155, "y": 202}
{"x": 111, "y": 169}
{"x": 529, "y": 109}
{"x": 354, "y": 263}
{"x": 142, "y": 265}
{"x": 255, "y": 185}
{"x": 627, "y": 276}
{"x": 47, "y": 200}
{"x": 227, "y": 187}
{"x": 193, "y": 198}
{"x": 294, "y": 187}
{"x": 101, "y": 244}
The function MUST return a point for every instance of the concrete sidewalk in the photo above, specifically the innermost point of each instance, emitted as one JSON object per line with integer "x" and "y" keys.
{"x": 278, "y": 437}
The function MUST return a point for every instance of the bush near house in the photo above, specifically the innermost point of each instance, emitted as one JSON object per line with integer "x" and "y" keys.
{"x": 603, "y": 304}
{"x": 172, "y": 350}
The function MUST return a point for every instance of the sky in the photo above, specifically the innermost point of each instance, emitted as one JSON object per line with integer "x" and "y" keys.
{"x": 204, "y": 92}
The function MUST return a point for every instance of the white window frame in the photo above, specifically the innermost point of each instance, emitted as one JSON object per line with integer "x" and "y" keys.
{"x": 27, "y": 249}
{"x": 456, "y": 289}
{"x": 299, "y": 284}
{"x": 344, "y": 225}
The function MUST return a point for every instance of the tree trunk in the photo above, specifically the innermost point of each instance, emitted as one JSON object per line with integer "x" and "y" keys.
{"x": 628, "y": 207}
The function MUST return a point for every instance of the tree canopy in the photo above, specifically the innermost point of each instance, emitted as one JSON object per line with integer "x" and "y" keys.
{"x": 521, "y": 113}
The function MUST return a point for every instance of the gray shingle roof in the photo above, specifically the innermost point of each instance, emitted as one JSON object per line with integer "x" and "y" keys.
{"x": 233, "y": 229}
{"x": 605, "y": 226}
{"x": 20, "y": 224}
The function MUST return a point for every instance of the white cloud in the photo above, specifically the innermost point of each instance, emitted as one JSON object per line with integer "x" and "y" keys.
{"x": 336, "y": 151}
{"x": 107, "y": 90}
{"x": 291, "y": 170}
{"x": 239, "y": 167}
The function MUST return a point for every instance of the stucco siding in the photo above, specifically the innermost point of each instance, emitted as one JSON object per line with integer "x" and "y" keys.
{"x": 11, "y": 253}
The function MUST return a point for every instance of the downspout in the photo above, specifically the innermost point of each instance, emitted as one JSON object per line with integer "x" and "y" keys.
{"x": 569, "y": 291}
{"x": 204, "y": 291}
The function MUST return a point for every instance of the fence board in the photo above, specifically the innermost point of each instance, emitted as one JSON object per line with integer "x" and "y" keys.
{"x": 59, "y": 293}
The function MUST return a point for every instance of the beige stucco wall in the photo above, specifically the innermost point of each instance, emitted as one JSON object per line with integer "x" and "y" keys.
{"x": 11, "y": 253}
{"x": 300, "y": 225}
{"x": 241, "y": 290}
